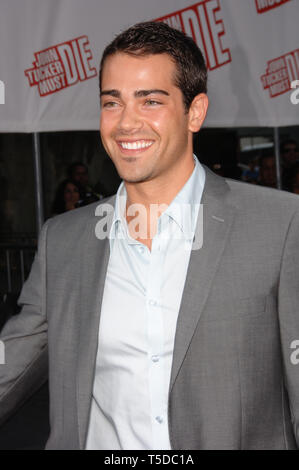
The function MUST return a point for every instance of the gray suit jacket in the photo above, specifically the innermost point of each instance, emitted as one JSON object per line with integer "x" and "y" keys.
{"x": 233, "y": 384}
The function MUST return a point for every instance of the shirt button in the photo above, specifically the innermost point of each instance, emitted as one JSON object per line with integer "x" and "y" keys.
{"x": 141, "y": 249}
{"x": 159, "y": 419}
{"x": 152, "y": 302}
{"x": 155, "y": 358}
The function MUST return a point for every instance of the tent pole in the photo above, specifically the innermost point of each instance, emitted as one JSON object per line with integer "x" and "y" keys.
{"x": 38, "y": 182}
{"x": 277, "y": 157}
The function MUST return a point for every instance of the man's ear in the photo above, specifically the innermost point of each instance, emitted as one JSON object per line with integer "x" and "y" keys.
{"x": 197, "y": 112}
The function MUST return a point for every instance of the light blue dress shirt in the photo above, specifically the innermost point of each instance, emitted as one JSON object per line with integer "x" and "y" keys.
{"x": 141, "y": 300}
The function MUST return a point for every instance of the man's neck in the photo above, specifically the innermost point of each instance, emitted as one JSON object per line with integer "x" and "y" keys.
{"x": 154, "y": 197}
{"x": 160, "y": 190}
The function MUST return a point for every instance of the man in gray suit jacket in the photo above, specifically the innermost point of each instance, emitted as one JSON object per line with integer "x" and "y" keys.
{"x": 201, "y": 352}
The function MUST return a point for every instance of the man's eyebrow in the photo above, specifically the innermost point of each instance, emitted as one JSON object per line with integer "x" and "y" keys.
{"x": 141, "y": 93}
{"x": 137, "y": 94}
{"x": 114, "y": 93}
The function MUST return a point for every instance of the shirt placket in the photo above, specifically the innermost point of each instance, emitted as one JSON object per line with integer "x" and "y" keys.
{"x": 155, "y": 329}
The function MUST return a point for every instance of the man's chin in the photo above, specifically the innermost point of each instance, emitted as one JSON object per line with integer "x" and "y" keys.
{"x": 134, "y": 179}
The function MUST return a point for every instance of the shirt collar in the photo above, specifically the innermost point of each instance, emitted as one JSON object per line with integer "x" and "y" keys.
{"x": 182, "y": 210}
{"x": 184, "y": 207}
{"x": 119, "y": 223}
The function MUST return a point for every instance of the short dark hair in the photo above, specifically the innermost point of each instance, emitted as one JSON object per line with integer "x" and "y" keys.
{"x": 151, "y": 37}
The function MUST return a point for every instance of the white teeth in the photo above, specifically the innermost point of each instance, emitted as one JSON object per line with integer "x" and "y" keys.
{"x": 141, "y": 144}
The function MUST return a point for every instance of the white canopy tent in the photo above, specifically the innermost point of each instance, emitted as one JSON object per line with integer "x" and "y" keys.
{"x": 50, "y": 51}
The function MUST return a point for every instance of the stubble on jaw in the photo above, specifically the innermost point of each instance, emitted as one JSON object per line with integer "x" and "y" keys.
{"x": 134, "y": 177}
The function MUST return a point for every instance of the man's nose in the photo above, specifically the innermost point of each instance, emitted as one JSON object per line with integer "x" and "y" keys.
{"x": 130, "y": 120}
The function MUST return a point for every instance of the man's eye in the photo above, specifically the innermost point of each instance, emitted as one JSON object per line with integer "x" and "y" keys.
{"x": 152, "y": 102}
{"x": 109, "y": 104}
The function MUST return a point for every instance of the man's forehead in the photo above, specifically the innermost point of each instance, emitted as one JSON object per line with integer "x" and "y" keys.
{"x": 146, "y": 72}
{"x": 139, "y": 57}
{"x": 162, "y": 62}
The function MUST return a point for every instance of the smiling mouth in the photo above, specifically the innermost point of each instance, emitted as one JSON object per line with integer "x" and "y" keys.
{"x": 136, "y": 145}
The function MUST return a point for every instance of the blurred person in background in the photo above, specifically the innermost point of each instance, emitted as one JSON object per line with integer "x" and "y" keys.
{"x": 68, "y": 197}
{"x": 295, "y": 180}
{"x": 251, "y": 173}
{"x": 267, "y": 172}
{"x": 78, "y": 172}
{"x": 289, "y": 154}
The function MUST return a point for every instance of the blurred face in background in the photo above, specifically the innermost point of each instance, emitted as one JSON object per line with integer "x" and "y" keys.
{"x": 80, "y": 175}
{"x": 71, "y": 195}
{"x": 268, "y": 172}
{"x": 290, "y": 154}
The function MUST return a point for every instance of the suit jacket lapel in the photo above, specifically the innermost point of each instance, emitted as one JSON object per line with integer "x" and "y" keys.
{"x": 217, "y": 221}
{"x": 94, "y": 263}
